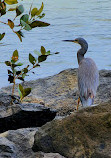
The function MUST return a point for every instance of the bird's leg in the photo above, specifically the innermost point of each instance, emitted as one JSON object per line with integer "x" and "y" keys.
{"x": 78, "y": 103}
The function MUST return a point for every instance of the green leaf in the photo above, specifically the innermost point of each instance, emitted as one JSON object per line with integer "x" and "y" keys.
{"x": 32, "y": 59}
{"x": 47, "y": 53}
{"x": 20, "y": 94}
{"x": 8, "y": 63}
{"x": 43, "y": 51}
{"x": 13, "y": 65}
{"x": 21, "y": 88}
{"x": 12, "y": 9}
{"x": 40, "y": 10}
{"x": 25, "y": 25}
{"x": 15, "y": 55}
{"x": 2, "y": 8}
{"x": 26, "y": 92}
{"x": 20, "y": 78}
{"x": 19, "y": 64}
{"x": 36, "y": 52}
{"x": 21, "y": 91}
{"x": 10, "y": 78}
{"x": 25, "y": 70}
{"x": 3, "y": 12}
{"x": 11, "y": 23}
{"x": 18, "y": 72}
{"x": 2, "y": 36}
{"x": 41, "y": 16}
{"x": 19, "y": 35}
{"x": 34, "y": 12}
{"x": 37, "y": 23}
{"x": 25, "y": 18}
{"x": 10, "y": 72}
{"x": 19, "y": 10}
{"x": 2, "y": 5}
{"x": 10, "y": 2}
{"x": 23, "y": 75}
{"x": 42, "y": 58}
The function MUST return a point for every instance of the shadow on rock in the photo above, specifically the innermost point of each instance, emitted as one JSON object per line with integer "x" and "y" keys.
{"x": 24, "y": 115}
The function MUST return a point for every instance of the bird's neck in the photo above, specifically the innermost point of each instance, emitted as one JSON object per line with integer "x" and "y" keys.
{"x": 80, "y": 53}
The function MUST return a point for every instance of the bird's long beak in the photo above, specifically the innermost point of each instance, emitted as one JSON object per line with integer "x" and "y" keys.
{"x": 75, "y": 41}
{"x": 68, "y": 40}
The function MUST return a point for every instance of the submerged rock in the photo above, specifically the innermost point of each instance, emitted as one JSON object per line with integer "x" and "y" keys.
{"x": 86, "y": 133}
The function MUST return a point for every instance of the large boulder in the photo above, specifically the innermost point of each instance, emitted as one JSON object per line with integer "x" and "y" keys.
{"x": 86, "y": 133}
{"x": 61, "y": 91}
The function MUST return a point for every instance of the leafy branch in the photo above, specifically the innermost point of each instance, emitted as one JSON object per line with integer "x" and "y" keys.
{"x": 27, "y": 21}
{"x": 15, "y": 72}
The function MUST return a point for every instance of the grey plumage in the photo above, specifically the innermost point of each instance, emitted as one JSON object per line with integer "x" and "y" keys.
{"x": 88, "y": 81}
{"x": 88, "y": 75}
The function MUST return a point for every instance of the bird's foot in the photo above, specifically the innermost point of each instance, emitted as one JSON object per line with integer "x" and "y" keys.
{"x": 78, "y": 103}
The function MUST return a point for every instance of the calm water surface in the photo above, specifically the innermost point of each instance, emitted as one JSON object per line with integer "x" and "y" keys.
{"x": 69, "y": 19}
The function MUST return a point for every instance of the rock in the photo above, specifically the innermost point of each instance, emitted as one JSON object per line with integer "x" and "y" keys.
{"x": 104, "y": 89}
{"x": 48, "y": 155}
{"x": 17, "y": 116}
{"x": 6, "y": 109}
{"x": 7, "y": 148}
{"x": 18, "y": 144}
{"x": 60, "y": 91}
{"x": 22, "y": 140}
{"x": 86, "y": 133}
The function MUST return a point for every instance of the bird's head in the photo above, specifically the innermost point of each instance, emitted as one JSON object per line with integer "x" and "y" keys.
{"x": 79, "y": 40}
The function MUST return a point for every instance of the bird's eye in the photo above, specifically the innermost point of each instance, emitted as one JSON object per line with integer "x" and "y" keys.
{"x": 76, "y": 41}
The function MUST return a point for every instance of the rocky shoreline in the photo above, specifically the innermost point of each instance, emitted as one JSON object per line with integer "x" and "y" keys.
{"x": 72, "y": 134}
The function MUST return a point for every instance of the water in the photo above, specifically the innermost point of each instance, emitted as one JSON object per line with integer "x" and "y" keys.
{"x": 69, "y": 19}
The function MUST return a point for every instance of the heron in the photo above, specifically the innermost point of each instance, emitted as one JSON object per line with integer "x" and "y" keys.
{"x": 88, "y": 75}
